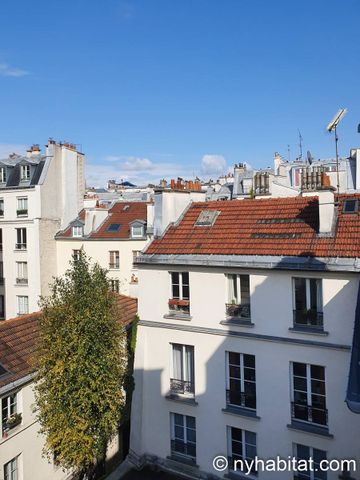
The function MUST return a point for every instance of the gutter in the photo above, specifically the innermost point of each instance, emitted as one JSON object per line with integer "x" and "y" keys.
{"x": 17, "y": 383}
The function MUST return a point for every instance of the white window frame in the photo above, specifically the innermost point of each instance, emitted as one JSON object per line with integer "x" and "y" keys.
{"x": 242, "y": 374}
{"x": 22, "y": 204}
{"x": 22, "y": 270}
{"x": 311, "y": 474}
{"x": 319, "y": 296}
{"x": 181, "y": 293}
{"x": 184, "y": 427}
{"x": 24, "y": 173}
{"x": 11, "y": 469}
{"x": 22, "y": 304}
{"x": 244, "y": 443}
{"x": 2, "y": 175}
{"x": 114, "y": 255}
{"x": 230, "y": 281}
{"x": 133, "y": 228}
{"x": 115, "y": 285}
{"x": 77, "y": 231}
{"x": 23, "y": 236}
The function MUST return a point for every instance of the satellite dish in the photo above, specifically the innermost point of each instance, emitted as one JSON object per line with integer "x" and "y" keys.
{"x": 336, "y": 120}
{"x": 309, "y": 157}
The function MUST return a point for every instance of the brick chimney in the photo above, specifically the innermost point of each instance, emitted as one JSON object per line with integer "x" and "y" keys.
{"x": 33, "y": 150}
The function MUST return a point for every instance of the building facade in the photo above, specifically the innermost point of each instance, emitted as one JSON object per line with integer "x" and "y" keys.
{"x": 39, "y": 195}
{"x": 244, "y": 346}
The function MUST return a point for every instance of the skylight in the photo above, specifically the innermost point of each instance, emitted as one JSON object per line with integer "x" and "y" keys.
{"x": 113, "y": 227}
{"x": 206, "y": 218}
{"x": 350, "y": 206}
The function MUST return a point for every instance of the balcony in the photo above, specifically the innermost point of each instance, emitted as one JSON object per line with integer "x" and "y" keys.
{"x": 235, "y": 310}
{"x": 21, "y": 281}
{"x": 179, "y": 306}
{"x": 114, "y": 266}
{"x": 22, "y": 213}
{"x": 181, "y": 387}
{"x": 20, "y": 246}
{"x": 308, "y": 413}
{"x": 308, "y": 319}
{"x": 179, "y": 447}
{"x": 240, "y": 399}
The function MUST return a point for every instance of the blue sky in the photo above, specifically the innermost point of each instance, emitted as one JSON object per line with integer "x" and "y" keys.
{"x": 154, "y": 88}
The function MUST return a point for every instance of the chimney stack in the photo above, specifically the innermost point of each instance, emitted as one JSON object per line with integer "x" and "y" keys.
{"x": 327, "y": 211}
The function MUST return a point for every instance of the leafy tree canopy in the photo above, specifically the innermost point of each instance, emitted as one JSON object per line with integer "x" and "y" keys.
{"x": 81, "y": 365}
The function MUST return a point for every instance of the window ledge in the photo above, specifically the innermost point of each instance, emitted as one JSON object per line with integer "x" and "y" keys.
{"x": 182, "y": 399}
{"x": 309, "y": 331}
{"x": 238, "y": 322}
{"x": 309, "y": 428}
{"x": 178, "y": 316}
{"x": 241, "y": 412}
{"x": 183, "y": 460}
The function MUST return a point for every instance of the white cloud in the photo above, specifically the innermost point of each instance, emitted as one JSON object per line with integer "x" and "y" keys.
{"x": 213, "y": 164}
{"x": 135, "y": 163}
{"x": 8, "y": 71}
{"x": 7, "y": 148}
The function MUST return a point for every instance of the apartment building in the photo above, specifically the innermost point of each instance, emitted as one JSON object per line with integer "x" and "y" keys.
{"x": 244, "y": 346}
{"x": 21, "y": 445}
{"x": 39, "y": 194}
{"x": 112, "y": 237}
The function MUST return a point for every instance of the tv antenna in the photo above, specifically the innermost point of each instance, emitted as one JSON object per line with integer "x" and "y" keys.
{"x": 332, "y": 127}
{"x": 300, "y": 145}
{"x": 309, "y": 157}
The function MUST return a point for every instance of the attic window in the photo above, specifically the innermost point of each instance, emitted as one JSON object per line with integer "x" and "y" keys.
{"x": 77, "y": 231}
{"x": 2, "y": 175}
{"x": 206, "y": 218}
{"x": 113, "y": 227}
{"x": 350, "y": 206}
{"x": 24, "y": 173}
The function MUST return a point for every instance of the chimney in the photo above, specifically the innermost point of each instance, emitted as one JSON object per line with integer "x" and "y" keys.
{"x": 33, "y": 150}
{"x": 327, "y": 211}
{"x": 278, "y": 160}
{"x": 240, "y": 168}
{"x": 355, "y": 154}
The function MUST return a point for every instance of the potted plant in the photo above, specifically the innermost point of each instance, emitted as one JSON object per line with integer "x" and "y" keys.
{"x": 13, "y": 420}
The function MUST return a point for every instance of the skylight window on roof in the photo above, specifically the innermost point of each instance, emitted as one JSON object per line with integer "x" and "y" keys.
{"x": 113, "y": 227}
{"x": 350, "y": 206}
{"x": 206, "y": 218}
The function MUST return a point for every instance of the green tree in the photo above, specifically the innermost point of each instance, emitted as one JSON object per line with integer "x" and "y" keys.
{"x": 81, "y": 364}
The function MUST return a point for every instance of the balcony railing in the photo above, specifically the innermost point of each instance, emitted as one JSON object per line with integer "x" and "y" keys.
{"x": 181, "y": 386}
{"x": 308, "y": 318}
{"x": 308, "y": 413}
{"x": 2, "y": 280}
{"x": 180, "y": 306}
{"x": 238, "y": 310}
{"x": 179, "y": 447}
{"x": 114, "y": 266}
{"x": 20, "y": 246}
{"x": 241, "y": 399}
{"x": 22, "y": 281}
{"x": 22, "y": 212}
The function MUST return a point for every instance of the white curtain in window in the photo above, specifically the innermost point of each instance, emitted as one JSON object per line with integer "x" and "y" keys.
{"x": 177, "y": 362}
{"x": 189, "y": 367}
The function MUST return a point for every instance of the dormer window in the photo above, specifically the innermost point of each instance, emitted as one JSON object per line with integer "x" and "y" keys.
{"x": 24, "y": 173}
{"x": 137, "y": 231}
{"x": 2, "y": 175}
{"x": 77, "y": 231}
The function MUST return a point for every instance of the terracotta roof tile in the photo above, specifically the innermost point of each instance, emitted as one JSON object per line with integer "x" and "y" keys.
{"x": 279, "y": 226}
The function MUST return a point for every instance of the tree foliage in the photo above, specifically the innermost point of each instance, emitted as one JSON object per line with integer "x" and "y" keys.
{"x": 81, "y": 365}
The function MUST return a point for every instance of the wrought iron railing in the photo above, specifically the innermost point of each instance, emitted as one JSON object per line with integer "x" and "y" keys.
{"x": 22, "y": 281}
{"x": 181, "y": 386}
{"x": 21, "y": 212}
{"x": 238, "y": 310}
{"x": 308, "y": 413}
{"x": 20, "y": 246}
{"x": 308, "y": 318}
{"x": 241, "y": 399}
{"x": 114, "y": 265}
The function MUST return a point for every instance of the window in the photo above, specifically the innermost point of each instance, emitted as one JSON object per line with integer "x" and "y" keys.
{"x": 1, "y": 240}
{"x": 1, "y": 207}
{"x": 24, "y": 173}
{"x": 137, "y": 231}
{"x": 180, "y": 291}
{"x": 182, "y": 381}
{"x": 76, "y": 255}
{"x": 1, "y": 273}
{"x": 114, "y": 261}
{"x": 206, "y": 218}
{"x": 2, "y": 306}
{"x": 183, "y": 436}
{"x": 308, "y": 393}
{"x": 77, "y": 231}
{"x": 307, "y": 300}
{"x": 22, "y": 206}
{"x": 302, "y": 452}
{"x": 350, "y": 206}
{"x": 135, "y": 254}
{"x": 22, "y": 304}
{"x": 241, "y": 380}
{"x": 11, "y": 470}
{"x": 241, "y": 447}
{"x": 113, "y": 227}
{"x": 115, "y": 285}
{"x": 21, "y": 272}
{"x": 238, "y": 296}
{"x": 21, "y": 239}
{"x": 2, "y": 175}
{"x": 9, "y": 412}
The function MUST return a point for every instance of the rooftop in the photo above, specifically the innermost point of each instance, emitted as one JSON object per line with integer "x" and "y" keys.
{"x": 278, "y": 227}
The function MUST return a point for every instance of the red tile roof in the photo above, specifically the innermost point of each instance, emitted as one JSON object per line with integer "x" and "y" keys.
{"x": 281, "y": 226}
{"x": 18, "y": 339}
{"x": 116, "y": 214}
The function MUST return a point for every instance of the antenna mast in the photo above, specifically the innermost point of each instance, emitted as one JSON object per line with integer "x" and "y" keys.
{"x": 332, "y": 127}
{"x": 300, "y": 145}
